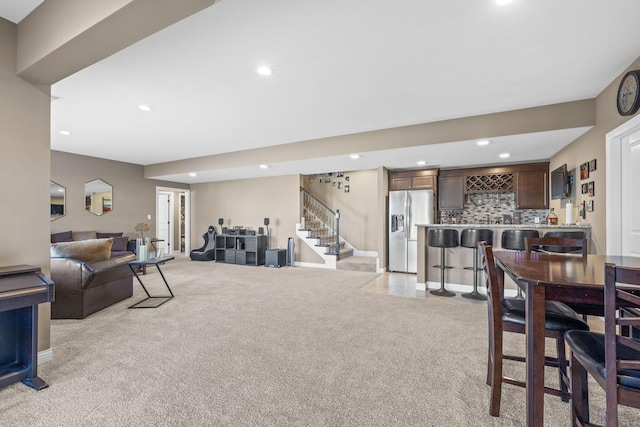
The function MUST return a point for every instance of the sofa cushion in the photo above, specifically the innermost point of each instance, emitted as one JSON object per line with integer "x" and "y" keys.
{"x": 107, "y": 235}
{"x": 83, "y": 235}
{"x": 64, "y": 236}
{"x": 92, "y": 250}
{"x": 119, "y": 243}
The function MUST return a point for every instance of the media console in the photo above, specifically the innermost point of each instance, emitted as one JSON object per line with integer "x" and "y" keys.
{"x": 241, "y": 249}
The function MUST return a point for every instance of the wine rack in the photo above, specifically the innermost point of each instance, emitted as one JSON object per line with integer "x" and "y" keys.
{"x": 496, "y": 183}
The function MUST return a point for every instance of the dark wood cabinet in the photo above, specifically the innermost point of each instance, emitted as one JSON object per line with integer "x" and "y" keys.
{"x": 532, "y": 189}
{"x": 451, "y": 193}
{"x": 412, "y": 180}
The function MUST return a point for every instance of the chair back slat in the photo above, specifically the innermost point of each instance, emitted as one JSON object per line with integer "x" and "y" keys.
{"x": 575, "y": 245}
{"x": 626, "y": 295}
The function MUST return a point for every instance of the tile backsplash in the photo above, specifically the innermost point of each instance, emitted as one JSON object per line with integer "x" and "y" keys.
{"x": 490, "y": 208}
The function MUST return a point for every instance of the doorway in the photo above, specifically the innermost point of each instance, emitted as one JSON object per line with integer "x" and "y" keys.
{"x": 623, "y": 182}
{"x": 173, "y": 224}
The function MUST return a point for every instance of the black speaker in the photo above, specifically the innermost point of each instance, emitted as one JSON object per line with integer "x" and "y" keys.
{"x": 220, "y": 221}
{"x": 266, "y": 221}
{"x": 261, "y": 230}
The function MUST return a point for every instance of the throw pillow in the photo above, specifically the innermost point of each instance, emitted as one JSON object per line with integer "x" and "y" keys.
{"x": 107, "y": 235}
{"x": 84, "y": 250}
{"x": 83, "y": 235}
{"x": 120, "y": 243}
{"x": 65, "y": 236}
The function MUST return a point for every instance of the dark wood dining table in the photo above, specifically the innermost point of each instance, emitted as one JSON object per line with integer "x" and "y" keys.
{"x": 543, "y": 276}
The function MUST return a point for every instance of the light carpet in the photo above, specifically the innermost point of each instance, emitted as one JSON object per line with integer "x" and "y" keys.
{"x": 256, "y": 346}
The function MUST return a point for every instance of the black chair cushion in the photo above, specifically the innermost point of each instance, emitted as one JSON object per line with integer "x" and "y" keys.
{"x": 589, "y": 347}
{"x": 565, "y": 234}
{"x": 559, "y": 317}
{"x": 443, "y": 238}
{"x": 470, "y": 237}
{"x": 514, "y": 239}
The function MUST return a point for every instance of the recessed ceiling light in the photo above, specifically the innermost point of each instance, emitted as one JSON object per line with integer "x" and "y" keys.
{"x": 65, "y": 132}
{"x": 264, "y": 166}
{"x": 483, "y": 142}
{"x": 193, "y": 174}
{"x": 145, "y": 107}
{"x": 503, "y": 2}
{"x": 355, "y": 156}
{"x": 505, "y": 155}
{"x": 421, "y": 162}
{"x": 265, "y": 71}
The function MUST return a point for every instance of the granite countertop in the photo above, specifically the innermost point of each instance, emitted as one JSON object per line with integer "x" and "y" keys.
{"x": 578, "y": 226}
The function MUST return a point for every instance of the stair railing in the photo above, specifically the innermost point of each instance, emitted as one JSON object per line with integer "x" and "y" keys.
{"x": 322, "y": 222}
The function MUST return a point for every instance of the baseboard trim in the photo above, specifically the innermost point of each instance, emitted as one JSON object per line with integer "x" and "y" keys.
{"x": 45, "y": 356}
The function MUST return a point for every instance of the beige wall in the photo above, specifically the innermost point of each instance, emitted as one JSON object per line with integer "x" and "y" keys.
{"x": 24, "y": 170}
{"x": 592, "y": 146}
{"x": 134, "y": 197}
{"x": 246, "y": 203}
{"x": 358, "y": 208}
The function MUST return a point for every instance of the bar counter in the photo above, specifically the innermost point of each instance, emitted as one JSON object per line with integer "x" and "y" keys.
{"x": 460, "y": 280}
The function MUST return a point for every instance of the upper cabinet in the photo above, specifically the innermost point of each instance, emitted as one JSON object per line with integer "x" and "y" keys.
{"x": 412, "y": 180}
{"x": 531, "y": 189}
{"x": 451, "y": 192}
{"x": 529, "y": 182}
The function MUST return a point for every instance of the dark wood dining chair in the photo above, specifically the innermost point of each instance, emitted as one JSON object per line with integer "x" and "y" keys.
{"x": 598, "y": 354}
{"x": 508, "y": 315}
{"x": 556, "y": 245}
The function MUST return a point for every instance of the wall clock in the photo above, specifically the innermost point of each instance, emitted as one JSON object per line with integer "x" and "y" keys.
{"x": 629, "y": 93}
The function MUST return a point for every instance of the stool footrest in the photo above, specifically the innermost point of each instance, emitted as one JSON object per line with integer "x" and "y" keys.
{"x": 472, "y": 268}
{"x": 441, "y": 267}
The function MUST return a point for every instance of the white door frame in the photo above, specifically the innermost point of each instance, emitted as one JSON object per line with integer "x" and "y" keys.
{"x": 168, "y": 243}
{"x": 187, "y": 216}
{"x": 618, "y": 170}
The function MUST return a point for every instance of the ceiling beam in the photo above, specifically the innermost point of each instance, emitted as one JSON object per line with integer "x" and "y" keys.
{"x": 62, "y": 37}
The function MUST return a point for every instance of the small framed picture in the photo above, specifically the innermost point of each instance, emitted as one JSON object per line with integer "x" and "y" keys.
{"x": 346, "y": 178}
{"x": 339, "y": 185}
{"x": 339, "y": 174}
{"x": 346, "y": 188}
{"x": 585, "y": 188}
{"x": 589, "y": 205}
{"x": 327, "y": 180}
{"x": 592, "y": 165}
{"x": 584, "y": 171}
{"x": 591, "y": 189}
{"x": 334, "y": 182}
{"x": 320, "y": 180}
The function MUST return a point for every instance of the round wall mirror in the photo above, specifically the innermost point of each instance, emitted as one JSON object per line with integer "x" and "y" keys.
{"x": 98, "y": 197}
{"x": 57, "y": 200}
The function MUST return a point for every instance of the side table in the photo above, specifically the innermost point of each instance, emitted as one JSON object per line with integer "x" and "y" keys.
{"x": 133, "y": 265}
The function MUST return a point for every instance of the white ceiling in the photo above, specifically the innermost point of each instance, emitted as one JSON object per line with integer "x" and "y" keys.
{"x": 341, "y": 67}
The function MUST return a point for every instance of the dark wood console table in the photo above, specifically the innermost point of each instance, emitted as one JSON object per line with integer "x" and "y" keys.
{"x": 22, "y": 288}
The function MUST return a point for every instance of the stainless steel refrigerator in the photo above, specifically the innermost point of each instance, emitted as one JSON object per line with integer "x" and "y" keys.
{"x": 406, "y": 209}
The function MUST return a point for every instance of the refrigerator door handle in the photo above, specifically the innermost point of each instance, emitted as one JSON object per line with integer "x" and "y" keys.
{"x": 407, "y": 226}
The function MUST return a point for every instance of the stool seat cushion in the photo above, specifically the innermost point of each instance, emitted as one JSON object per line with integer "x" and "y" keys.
{"x": 443, "y": 238}
{"x": 471, "y": 236}
{"x": 514, "y": 239}
{"x": 558, "y": 316}
{"x": 590, "y": 348}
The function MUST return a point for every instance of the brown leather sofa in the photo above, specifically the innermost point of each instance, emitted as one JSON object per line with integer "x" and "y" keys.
{"x": 83, "y": 288}
{"x": 87, "y": 279}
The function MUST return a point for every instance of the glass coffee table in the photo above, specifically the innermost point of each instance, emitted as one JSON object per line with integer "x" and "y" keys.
{"x": 151, "y": 301}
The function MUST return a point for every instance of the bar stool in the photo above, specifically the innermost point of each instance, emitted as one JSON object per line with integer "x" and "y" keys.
{"x": 514, "y": 240}
{"x": 469, "y": 239}
{"x": 442, "y": 238}
{"x": 567, "y": 235}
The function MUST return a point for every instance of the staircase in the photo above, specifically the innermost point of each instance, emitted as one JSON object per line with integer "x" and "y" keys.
{"x": 321, "y": 232}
